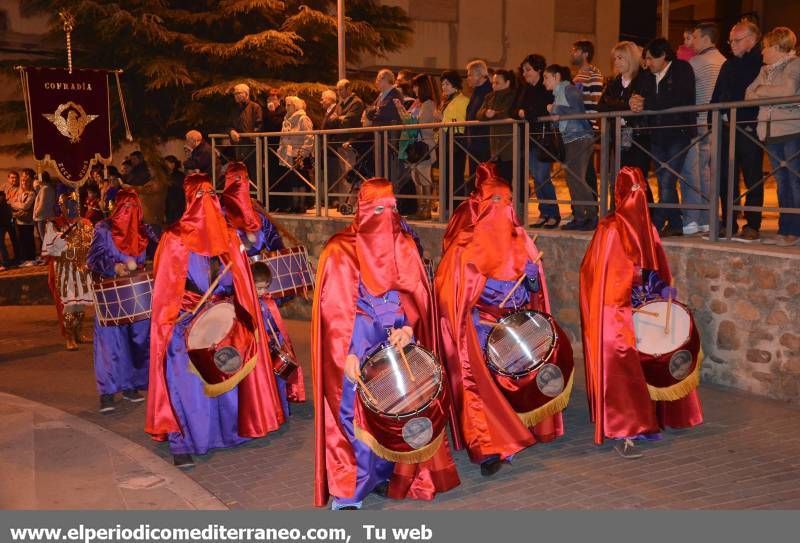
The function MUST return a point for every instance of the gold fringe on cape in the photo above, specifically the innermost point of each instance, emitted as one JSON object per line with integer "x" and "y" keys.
{"x": 213, "y": 390}
{"x": 556, "y": 405}
{"x": 680, "y": 389}
{"x": 411, "y": 457}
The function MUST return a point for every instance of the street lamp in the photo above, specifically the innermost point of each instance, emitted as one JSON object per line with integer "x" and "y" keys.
{"x": 340, "y": 35}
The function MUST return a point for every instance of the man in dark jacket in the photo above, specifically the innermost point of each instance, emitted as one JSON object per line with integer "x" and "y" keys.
{"x": 139, "y": 174}
{"x": 735, "y": 76}
{"x": 274, "y": 112}
{"x": 246, "y": 115}
{"x": 670, "y": 84}
{"x": 350, "y": 108}
{"x": 199, "y": 159}
{"x": 477, "y": 136}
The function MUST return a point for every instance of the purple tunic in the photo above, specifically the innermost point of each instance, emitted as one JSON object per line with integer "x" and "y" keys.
{"x": 207, "y": 423}
{"x": 375, "y": 314}
{"x": 279, "y": 381}
{"x": 121, "y": 353}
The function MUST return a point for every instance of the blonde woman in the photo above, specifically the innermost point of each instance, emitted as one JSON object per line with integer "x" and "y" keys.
{"x": 779, "y": 126}
{"x": 627, "y": 59}
{"x": 294, "y": 151}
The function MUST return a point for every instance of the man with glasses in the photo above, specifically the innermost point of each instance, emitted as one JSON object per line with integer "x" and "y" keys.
{"x": 735, "y": 76}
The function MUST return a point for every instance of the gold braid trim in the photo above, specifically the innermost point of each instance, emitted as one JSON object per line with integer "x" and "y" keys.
{"x": 680, "y": 389}
{"x": 554, "y": 406}
{"x": 212, "y": 390}
{"x": 411, "y": 457}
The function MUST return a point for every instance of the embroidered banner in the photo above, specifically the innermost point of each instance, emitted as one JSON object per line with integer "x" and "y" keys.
{"x": 68, "y": 115}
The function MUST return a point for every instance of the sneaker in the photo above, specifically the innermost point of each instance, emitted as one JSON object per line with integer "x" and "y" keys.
{"x": 26, "y": 264}
{"x": 787, "y": 240}
{"x": 573, "y": 225}
{"x": 490, "y": 467}
{"x": 691, "y": 229}
{"x": 704, "y": 228}
{"x": 382, "y": 489}
{"x": 106, "y": 403}
{"x": 747, "y": 235}
{"x": 182, "y": 461}
{"x": 132, "y": 396}
{"x": 772, "y": 240}
{"x": 627, "y": 449}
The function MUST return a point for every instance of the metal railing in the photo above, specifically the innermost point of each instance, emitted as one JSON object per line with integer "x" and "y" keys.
{"x": 342, "y": 157}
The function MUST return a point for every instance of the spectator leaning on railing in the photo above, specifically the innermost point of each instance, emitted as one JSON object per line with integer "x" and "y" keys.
{"x": 532, "y": 101}
{"x": 22, "y": 207}
{"x": 453, "y": 109}
{"x": 589, "y": 80}
{"x": 629, "y": 78}
{"x": 578, "y": 144}
{"x": 497, "y": 106}
{"x": 477, "y": 136}
{"x": 669, "y": 83}
{"x": 294, "y": 151}
{"x": 735, "y": 76}
{"x": 199, "y": 151}
{"x": 779, "y": 126}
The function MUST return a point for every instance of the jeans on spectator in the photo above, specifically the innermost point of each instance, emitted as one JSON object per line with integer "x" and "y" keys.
{"x": 40, "y": 229}
{"x": 696, "y": 173}
{"x": 578, "y": 154}
{"x": 749, "y": 158}
{"x": 542, "y": 184}
{"x": 788, "y": 182}
{"x": 666, "y": 151}
{"x": 27, "y": 244}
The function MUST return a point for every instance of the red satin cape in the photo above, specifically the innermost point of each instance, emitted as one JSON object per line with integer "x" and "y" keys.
{"x": 333, "y": 317}
{"x": 127, "y": 228}
{"x": 203, "y": 227}
{"x": 236, "y": 199}
{"x": 623, "y": 244}
{"x": 485, "y": 423}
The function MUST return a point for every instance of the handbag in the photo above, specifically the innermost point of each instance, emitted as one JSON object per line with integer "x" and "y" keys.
{"x": 551, "y": 145}
{"x": 417, "y": 151}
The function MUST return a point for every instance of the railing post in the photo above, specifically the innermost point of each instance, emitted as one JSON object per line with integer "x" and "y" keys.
{"x": 385, "y": 156}
{"x": 604, "y": 149}
{"x": 376, "y": 153}
{"x": 325, "y": 198}
{"x": 317, "y": 174}
{"x": 713, "y": 216}
{"x": 733, "y": 175}
{"x": 516, "y": 181}
{"x": 526, "y": 171}
{"x": 443, "y": 159}
{"x": 451, "y": 146}
{"x": 259, "y": 165}
{"x": 214, "y": 162}
{"x": 265, "y": 194}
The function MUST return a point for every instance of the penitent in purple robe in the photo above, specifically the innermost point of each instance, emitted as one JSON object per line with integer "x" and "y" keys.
{"x": 374, "y": 316}
{"x": 121, "y": 353}
{"x": 207, "y": 423}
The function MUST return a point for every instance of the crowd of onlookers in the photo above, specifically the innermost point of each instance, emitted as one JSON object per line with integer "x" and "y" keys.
{"x": 655, "y": 77}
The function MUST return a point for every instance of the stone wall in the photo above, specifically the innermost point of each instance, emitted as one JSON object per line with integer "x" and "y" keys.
{"x": 745, "y": 300}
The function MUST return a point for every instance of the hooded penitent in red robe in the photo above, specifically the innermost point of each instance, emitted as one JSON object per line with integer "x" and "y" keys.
{"x": 127, "y": 228}
{"x": 624, "y": 244}
{"x": 202, "y": 230}
{"x": 375, "y": 251}
{"x": 494, "y": 247}
{"x": 244, "y": 216}
{"x": 464, "y": 215}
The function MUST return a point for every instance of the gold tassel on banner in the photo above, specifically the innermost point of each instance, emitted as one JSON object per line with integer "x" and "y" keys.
{"x": 128, "y": 135}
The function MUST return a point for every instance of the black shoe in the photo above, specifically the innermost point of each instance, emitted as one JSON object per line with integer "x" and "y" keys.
{"x": 182, "y": 461}
{"x": 382, "y": 490}
{"x": 348, "y": 508}
{"x": 574, "y": 225}
{"x": 667, "y": 231}
{"x": 551, "y": 223}
{"x": 588, "y": 226}
{"x": 107, "y": 403}
{"x": 490, "y": 467}
{"x": 539, "y": 224}
{"x": 132, "y": 396}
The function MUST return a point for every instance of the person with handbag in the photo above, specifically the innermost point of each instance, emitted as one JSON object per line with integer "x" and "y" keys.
{"x": 532, "y": 102}
{"x": 627, "y": 57}
{"x": 417, "y": 147}
{"x": 578, "y": 145}
{"x": 295, "y": 151}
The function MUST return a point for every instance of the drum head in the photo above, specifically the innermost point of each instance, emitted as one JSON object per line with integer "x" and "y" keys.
{"x": 211, "y": 326}
{"x": 520, "y": 343}
{"x": 392, "y": 390}
{"x": 651, "y": 333}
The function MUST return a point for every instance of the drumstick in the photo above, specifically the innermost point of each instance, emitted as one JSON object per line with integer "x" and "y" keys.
{"x": 669, "y": 308}
{"x": 405, "y": 361}
{"x": 211, "y": 288}
{"x": 645, "y": 312}
{"x": 272, "y": 331}
{"x": 365, "y": 389}
{"x": 520, "y": 280}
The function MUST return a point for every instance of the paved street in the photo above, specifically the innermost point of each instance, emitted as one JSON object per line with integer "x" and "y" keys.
{"x": 747, "y": 454}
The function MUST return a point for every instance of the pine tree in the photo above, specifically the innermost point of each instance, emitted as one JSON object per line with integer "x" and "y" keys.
{"x": 182, "y": 57}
